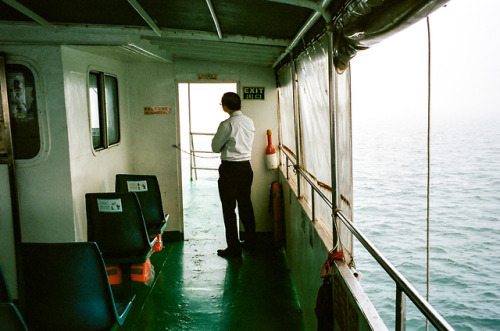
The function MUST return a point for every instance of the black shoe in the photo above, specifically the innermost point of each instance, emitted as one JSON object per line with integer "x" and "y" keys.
{"x": 229, "y": 252}
{"x": 250, "y": 245}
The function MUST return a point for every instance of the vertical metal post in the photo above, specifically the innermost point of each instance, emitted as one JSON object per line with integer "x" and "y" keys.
{"x": 287, "y": 175}
{"x": 400, "y": 309}
{"x": 9, "y": 158}
{"x": 429, "y": 90}
{"x": 333, "y": 134}
{"x": 192, "y": 160}
{"x": 312, "y": 203}
{"x": 296, "y": 121}
{"x": 281, "y": 154}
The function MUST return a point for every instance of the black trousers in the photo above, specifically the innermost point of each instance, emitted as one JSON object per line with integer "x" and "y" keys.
{"x": 235, "y": 185}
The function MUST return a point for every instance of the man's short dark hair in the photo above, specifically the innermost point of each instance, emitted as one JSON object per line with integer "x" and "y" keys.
{"x": 231, "y": 100}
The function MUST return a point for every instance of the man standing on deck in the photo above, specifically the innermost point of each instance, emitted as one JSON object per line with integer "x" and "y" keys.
{"x": 234, "y": 139}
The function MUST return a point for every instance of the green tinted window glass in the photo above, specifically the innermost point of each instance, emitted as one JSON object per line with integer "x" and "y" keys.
{"x": 95, "y": 112}
{"x": 104, "y": 111}
{"x": 113, "y": 123}
{"x": 25, "y": 128}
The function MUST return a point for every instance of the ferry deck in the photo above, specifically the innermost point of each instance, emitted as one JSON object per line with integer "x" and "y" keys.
{"x": 91, "y": 90}
{"x": 197, "y": 290}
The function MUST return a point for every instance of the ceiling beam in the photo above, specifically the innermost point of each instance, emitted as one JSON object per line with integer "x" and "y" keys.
{"x": 214, "y": 18}
{"x": 318, "y": 6}
{"x": 217, "y": 57}
{"x": 138, "y": 50}
{"x": 210, "y": 36}
{"x": 145, "y": 16}
{"x": 303, "y": 30}
{"x": 35, "y": 34}
{"x": 186, "y": 51}
{"x": 28, "y": 12}
{"x": 311, "y": 4}
{"x": 126, "y": 39}
{"x": 106, "y": 35}
{"x": 259, "y": 51}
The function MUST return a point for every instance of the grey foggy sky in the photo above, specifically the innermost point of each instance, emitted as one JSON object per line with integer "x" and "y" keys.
{"x": 389, "y": 80}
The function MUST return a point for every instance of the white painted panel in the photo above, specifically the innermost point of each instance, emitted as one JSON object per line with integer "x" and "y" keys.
{"x": 46, "y": 210}
{"x": 265, "y": 116}
{"x": 152, "y": 136}
{"x": 7, "y": 258}
{"x": 92, "y": 171}
{"x": 262, "y": 112}
{"x": 154, "y": 84}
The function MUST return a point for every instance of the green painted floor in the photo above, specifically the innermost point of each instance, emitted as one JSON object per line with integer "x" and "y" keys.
{"x": 195, "y": 289}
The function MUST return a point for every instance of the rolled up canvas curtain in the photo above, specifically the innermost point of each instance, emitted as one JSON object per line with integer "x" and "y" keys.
{"x": 359, "y": 24}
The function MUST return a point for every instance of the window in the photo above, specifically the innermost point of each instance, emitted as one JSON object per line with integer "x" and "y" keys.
{"x": 21, "y": 91}
{"x": 104, "y": 119}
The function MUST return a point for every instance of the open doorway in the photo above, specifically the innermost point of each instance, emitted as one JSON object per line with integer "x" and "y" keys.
{"x": 200, "y": 114}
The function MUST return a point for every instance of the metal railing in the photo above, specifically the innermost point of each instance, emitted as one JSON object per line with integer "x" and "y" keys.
{"x": 193, "y": 156}
{"x": 403, "y": 287}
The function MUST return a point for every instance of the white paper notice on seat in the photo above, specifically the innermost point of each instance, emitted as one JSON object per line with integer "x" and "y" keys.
{"x": 137, "y": 186}
{"x": 109, "y": 205}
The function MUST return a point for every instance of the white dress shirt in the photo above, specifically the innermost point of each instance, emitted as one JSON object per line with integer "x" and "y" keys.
{"x": 234, "y": 138}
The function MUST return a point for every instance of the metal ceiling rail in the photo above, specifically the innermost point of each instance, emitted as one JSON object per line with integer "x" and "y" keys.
{"x": 210, "y": 36}
{"x": 104, "y": 35}
{"x": 214, "y": 17}
{"x": 218, "y": 46}
{"x": 320, "y": 11}
{"x": 137, "y": 50}
{"x": 314, "y": 5}
{"x": 28, "y": 12}
{"x": 145, "y": 16}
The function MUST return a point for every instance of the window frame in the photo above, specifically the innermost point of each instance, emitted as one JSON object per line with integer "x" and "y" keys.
{"x": 41, "y": 106}
{"x": 103, "y": 112}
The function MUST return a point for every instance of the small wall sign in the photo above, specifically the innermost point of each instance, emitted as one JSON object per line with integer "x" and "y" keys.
{"x": 253, "y": 93}
{"x": 109, "y": 205}
{"x": 157, "y": 110}
{"x": 207, "y": 76}
{"x": 137, "y": 186}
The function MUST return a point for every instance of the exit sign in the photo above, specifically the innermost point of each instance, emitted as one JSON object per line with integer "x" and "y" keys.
{"x": 253, "y": 93}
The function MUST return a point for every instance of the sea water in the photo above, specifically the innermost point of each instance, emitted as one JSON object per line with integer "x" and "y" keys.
{"x": 390, "y": 208}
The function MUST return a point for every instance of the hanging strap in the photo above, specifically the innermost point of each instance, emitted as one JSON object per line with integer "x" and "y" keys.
{"x": 428, "y": 160}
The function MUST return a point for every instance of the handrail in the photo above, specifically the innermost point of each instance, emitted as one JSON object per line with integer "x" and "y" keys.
{"x": 315, "y": 188}
{"x": 401, "y": 282}
{"x": 425, "y": 307}
{"x": 203, "y": 134}
{"x": 208, "y": 152}
{"x": 193, "y": 152}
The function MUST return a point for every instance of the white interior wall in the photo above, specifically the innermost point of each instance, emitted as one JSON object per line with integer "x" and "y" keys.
{"x": 92, "y": 171}
{"x": 7, "y": 258}
{"x": 46, "y": 210}
{"x": 263, "y": 113}
{"x": 265, "y": 117}
{"x": 52, "y": 187}
{"x": 155, "y": 84}
{"x": 45, "y": 203}
{"x": 152, "y": 84}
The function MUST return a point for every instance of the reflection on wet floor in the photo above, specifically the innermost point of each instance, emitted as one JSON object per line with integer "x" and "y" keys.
{"x": 195, "y": 289}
